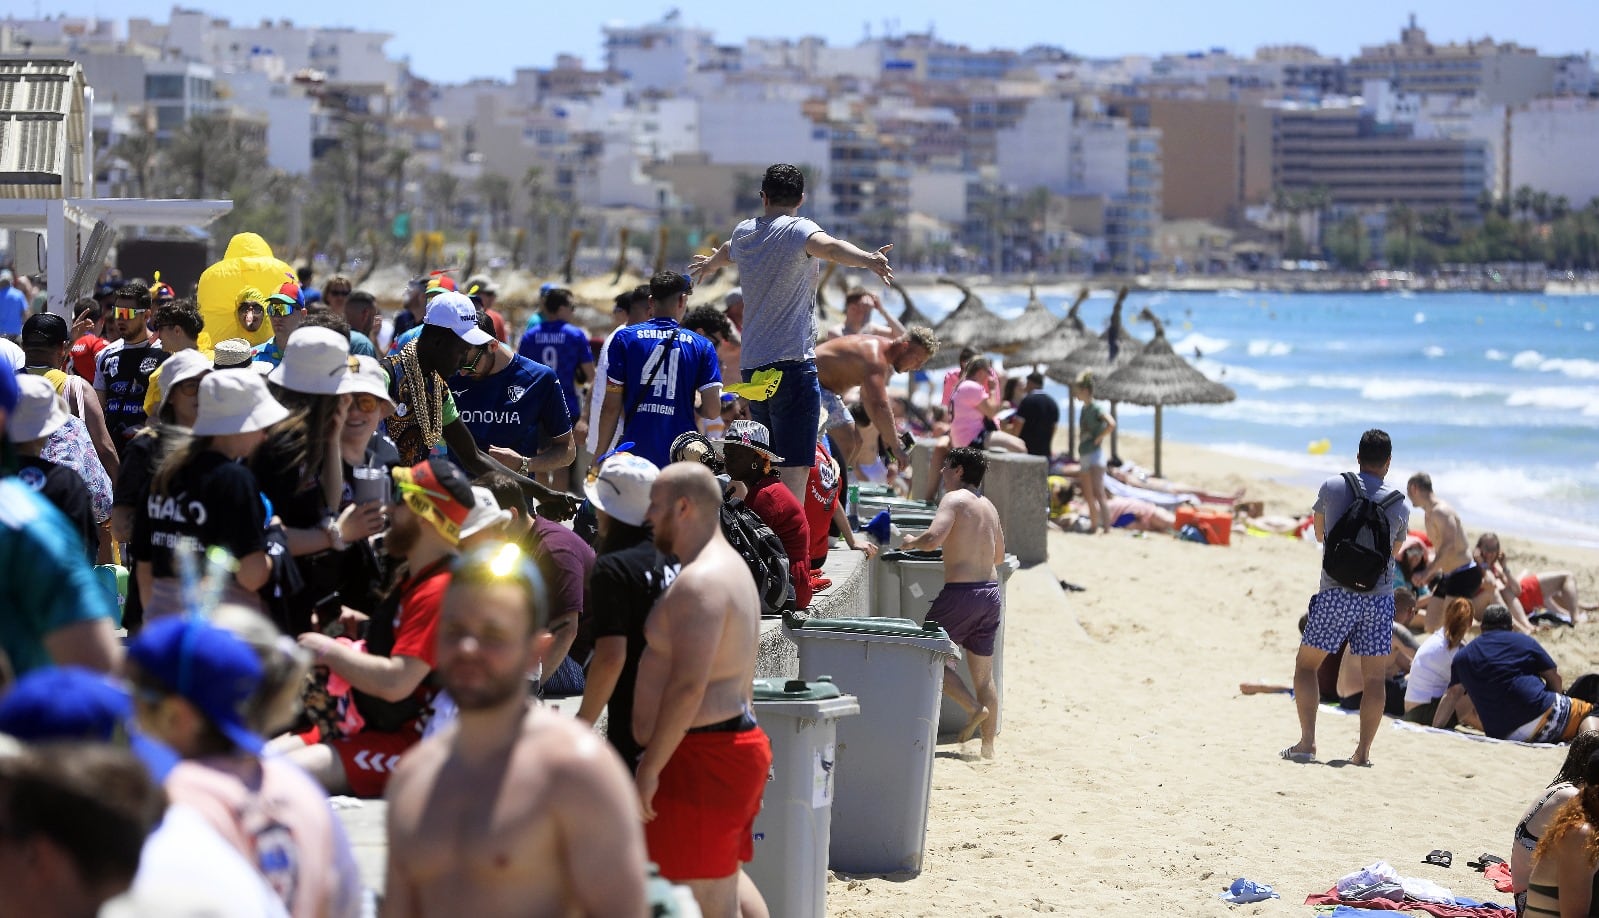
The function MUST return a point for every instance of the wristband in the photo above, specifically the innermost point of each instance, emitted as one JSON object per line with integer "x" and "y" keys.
{"x": 522, "y": 469}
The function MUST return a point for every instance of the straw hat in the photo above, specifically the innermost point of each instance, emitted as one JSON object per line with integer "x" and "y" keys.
{"x": 235, "y": 402}
{"x": 238, "y": 354}
{"x": 40, "y": 412}
{"x": 315, "y": 362}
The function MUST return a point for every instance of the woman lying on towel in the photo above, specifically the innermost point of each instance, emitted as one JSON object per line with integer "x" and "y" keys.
{"x": 1568, "y": 783}
{"x": 1565, "y": 865}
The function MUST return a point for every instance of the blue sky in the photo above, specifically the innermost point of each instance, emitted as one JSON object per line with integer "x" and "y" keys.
{"x": 454, "y": 42}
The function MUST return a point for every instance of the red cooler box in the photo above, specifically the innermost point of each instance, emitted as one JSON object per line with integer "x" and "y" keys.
{"x": 1216, "y": 524}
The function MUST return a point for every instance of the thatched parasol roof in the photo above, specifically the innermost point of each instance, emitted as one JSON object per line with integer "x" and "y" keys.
{"x": 1159, "y": 376}
{"x": 1095, "y": 355}
{"x": 970, "y": 323}
{"x": 1057, "y": 343}
{"x": 911, "y": 315}
{"x": 1034, "y": 323}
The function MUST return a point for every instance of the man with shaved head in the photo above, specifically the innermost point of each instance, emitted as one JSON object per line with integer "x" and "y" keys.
{"x": 705, "y": 759}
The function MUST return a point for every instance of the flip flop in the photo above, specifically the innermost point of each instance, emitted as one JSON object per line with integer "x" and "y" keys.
{"x": 1484, "y": 861}
{"x": 1244, "y": 891}
{"x": 1071, "y": 587}
{"x": 1301, "y": 757}
{"x": 1439, "y": 858}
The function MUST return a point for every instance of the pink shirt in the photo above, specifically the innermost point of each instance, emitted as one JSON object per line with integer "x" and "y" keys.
{"x": 966, "y": 423}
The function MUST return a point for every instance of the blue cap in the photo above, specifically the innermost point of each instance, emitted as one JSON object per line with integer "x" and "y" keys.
{"x": 9, "y": 392}
{"x": 881, "y": 527}
{"x": 73, "y": 703}
{"x": 207, "y": 666}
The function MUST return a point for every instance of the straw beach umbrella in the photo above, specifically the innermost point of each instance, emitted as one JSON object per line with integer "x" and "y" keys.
{"x": 970, "y": 323}
{"x": 1067, "y": 335}
{"x": 1034, "y": 324}
{"x": 1158, "y": 376}
{"x": 1103, "y": 354}
{"x": 911, "y": 315}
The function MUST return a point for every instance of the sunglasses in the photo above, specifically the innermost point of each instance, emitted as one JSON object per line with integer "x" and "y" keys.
{"x": 337, "y": 292}
{"x": 279, "y": 309}
{"x": 363, "y": 401}
{"x": 250, "y": 306}
{"x": 126, "y": 312}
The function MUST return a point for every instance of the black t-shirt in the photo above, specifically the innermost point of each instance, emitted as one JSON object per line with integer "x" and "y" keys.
{"x": 63, "y": 487}
{"x": 127, "y": 376}
{"x": 300, "y": 505}
{"x": 1039, "y": 413}
{"x": 621, "y": 592}
{"x": 212, "y": 500}
{"x": 138, "y": 467}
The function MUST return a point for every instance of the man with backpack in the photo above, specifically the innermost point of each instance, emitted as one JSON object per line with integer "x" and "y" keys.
{"x": 1355, "y": 600}
{"x": 747, "y": 450}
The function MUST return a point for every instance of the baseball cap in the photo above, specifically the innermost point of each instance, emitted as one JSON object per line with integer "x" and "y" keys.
{"x": 439, "y": 282}
{"x": 209, "y": 667}
{"x": 179, "y": 369}
{"x": 437, "y": 491}
{"x": 39, "y": 411}
{"x": 455, "y": 311}
{"x": 161, "y": 291}
{"x": 483, "y": 284}
{"x": 290, "y": 294}
{"x": 44, "y": 330}
{"x": 235, "y": 401}
{"x": 752, "y": 434}
{"x": 622, "y": 489}
{"x": 74, "y": 703}
{"x": 316, "y": 361}
{"x": 485, "y": 513}
{"x": 5, "y": 275}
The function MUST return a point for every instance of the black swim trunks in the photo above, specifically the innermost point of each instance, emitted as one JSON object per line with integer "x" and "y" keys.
{"x": 1462, "y": 581}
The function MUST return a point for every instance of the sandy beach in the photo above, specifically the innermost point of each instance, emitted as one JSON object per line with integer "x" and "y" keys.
{"x": 1134, "y": 779}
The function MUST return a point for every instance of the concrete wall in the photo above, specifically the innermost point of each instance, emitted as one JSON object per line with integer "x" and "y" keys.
{"x": 1018, "y": 485}
{"x": 848, "y": 597}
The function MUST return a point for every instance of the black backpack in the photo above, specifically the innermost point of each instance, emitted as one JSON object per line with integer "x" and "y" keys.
{"x": 1360, "y": 547}
{"x": 763, "y": 551}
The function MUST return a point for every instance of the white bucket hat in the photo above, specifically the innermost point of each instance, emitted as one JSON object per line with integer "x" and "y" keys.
{"x": 178, "y": 369}
{"x": 40, "y": 412}
{"x": 315, "y": 362}
{"x": 485, "y": 512}
{"x": 752, "y": 434}
{"x": 368, "y": 378}
{"x": 235, "y": 402}
{"x": 622, "y": 489}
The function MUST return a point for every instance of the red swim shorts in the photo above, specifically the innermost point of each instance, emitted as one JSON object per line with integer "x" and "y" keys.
{"x": 706, "y": 804}
{"x": 1531, "y": 593}
{"x": 369, "y": 757}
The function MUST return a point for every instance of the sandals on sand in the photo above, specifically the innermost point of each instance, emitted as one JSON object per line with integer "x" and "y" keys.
{"x": 1301, "y": 757}
{"x": 1484, "y": 861}
{"x": 1439, "y": 858}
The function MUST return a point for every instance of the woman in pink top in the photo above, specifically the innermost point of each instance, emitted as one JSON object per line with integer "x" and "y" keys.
{"x": 976, "y": 400}
{"x": 270, "y": 810}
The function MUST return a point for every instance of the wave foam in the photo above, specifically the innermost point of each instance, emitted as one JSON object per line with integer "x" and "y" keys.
{"x": 1204, "y": 343}
{"x": 1261, "y": 347}
{"x": 1573, "y": 367}
{"x": 1433, "y": 351}
{"x": 1495, "y": 354}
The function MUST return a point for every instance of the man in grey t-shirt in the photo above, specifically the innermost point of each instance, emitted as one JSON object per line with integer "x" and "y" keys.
{"x": 1338, "y": 613}
{"x": 777, "y": 255}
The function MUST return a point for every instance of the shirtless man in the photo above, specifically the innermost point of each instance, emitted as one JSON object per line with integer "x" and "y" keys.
{"x": 967, "y": 528}
{"x": 1451, "y": 561}
{"x": 859, "y": 305}
{"x": 868, "y": 361}
{"x": 514, "y": 809}
{"x": 694, "y": 706}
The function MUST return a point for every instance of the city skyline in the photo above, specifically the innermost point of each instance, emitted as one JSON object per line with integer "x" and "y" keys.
{"x": 494, "y": 47}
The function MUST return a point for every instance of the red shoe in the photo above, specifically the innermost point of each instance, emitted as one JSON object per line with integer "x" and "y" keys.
{"x": 819, "y": 583}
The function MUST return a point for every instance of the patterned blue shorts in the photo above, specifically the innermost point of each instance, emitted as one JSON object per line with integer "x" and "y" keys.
{"x": 1364, "y": 620}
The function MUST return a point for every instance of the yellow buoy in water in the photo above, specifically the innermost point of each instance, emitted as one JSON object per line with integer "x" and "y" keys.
{"x": 1319, "y": 447}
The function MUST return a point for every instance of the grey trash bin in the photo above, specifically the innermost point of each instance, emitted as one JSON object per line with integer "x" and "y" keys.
{"x": 792, "y": 830}
{"x": 884, "y": 779}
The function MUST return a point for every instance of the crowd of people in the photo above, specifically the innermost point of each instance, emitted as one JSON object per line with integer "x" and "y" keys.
{"x": 342, "y": 563}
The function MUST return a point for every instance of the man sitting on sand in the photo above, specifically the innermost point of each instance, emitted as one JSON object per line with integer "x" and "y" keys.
{"x": 1515, "y": 686}
{"x": 967, "y": 527}
{"x": 557, "y": 833}
{"x": 868, "y": 361}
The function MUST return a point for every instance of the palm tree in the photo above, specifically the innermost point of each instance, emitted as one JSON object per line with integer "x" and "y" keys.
{"x": 495, "y": 192}
{"x": 1403, "y": 218}
{"x": 441, "y": 189}
{"x": 1523, "y": 201}
{"x": 394, "y": 163}
{"x": 139, "y": 151}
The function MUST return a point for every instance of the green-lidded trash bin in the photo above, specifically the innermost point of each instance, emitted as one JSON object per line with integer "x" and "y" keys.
{"x": 665, "y": 899}
{"x": 884, "y": 778}
{"x": 793, "y": 828}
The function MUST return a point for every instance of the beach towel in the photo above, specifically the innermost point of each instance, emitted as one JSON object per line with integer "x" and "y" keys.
{"x": 1116, "y": 488}
{"x": 1459, "y": 910}
{"x": 1474, "y": 737}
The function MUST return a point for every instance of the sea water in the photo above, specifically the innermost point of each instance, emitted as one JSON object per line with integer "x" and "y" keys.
{"x": 1496, "y": 396}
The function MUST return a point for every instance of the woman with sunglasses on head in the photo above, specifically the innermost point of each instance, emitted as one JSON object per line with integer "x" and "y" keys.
{"x": 300, "y": 471}
{"x": 367, "y": 456}
{"x": 204, "y": 496}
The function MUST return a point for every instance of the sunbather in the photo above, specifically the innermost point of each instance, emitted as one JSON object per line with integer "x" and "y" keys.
{"x": 1568, "y": 783}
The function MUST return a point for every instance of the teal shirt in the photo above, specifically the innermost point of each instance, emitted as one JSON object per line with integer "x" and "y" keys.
{"x": 1090, "y": 424}
{"x": 46, "y": 583}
